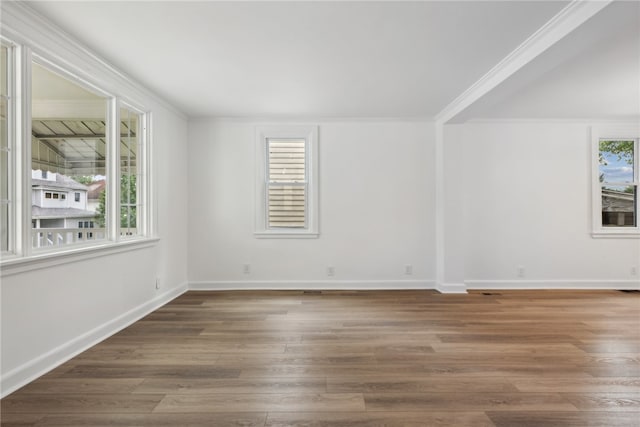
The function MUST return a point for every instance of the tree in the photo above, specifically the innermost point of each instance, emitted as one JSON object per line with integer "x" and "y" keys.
{"x": 128, "y": 199}
{"x": 101, "y": 210}
{"x": 84, "y": 179}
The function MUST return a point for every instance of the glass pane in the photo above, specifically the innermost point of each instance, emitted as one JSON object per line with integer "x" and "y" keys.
{"x": 616, "y": 161}
{"x": 4, "y": 181}
{"x": 129, "y": 179}
{"x": 4, "y": 226}
{"x": 287, "y": 206}
{"x": 128, "y": 221}
{"x": 4, "y": 129}
{"x": 68, "y": 160}
{"x": 4, "y": 71}
{"x": 619, "y": 206}
{"x": 287, "y": 160}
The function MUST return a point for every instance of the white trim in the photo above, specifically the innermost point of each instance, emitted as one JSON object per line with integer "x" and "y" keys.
{"x": 34, "y": 368}
{"x": 305, "y": 120}
{"x": 452, "y": 288}
{"x": 310, "y": 134}
{"x": 16, "y": 265}
{"x": 440, "y": 209}
{"x": 237, "y": 285}
{"x": 569, "y": 121}
{"x": 554, "y": 284}
{"x": 564, "y": 22}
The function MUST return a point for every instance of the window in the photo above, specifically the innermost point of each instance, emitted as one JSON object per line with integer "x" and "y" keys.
{"x": 130, "y": 124}
{"x": 615, "y": 182}
{"x": 6, "y": 164}
{"x": 69, "y": 148}
{"x": 286, "y": 181}
{"x": 70, "y": 141}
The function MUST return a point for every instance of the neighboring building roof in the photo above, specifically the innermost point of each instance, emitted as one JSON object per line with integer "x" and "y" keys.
{"x": 617, "y": 201}
{"x": 45, "y": 213}
{"x": 62, "y": 181}
{"x": 95, "y": 188}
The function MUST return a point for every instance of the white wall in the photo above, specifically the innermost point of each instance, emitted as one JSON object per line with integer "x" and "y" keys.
{"x": 376, "y": 209}
{"x": 51, "y": 313}
{"x": 527, "y": 193}
{"x": 53, "y": 308}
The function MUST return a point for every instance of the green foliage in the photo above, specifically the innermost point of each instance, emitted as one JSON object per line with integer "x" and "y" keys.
{"x": 128, "y": 198}
{"x": 84, "y": 179}
{"x": 101, "y": 210}
{"x": 622, "y": 149}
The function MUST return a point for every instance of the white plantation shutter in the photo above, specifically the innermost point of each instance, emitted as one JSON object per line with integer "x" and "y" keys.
{"x": 287, "y": 183}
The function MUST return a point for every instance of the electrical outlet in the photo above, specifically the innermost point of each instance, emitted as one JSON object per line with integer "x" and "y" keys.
{"x": 246, "y": 268}
{"x": 521, "y": 271}
{"x": 331, "y": 271}
{"x": 408, "y": 270}
{"x": 634, "y": 271}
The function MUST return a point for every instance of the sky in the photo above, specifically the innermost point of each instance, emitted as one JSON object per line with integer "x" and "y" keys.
{"x": 616, "y": 170}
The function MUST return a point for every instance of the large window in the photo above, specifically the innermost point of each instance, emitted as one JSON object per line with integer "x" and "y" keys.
{"x": 73, "y": 165}
{"x": 616, "y": 181}
{"x": 286, "y": 181}
{"x": 68, "y": 155}
{"x": 5, "y": 148}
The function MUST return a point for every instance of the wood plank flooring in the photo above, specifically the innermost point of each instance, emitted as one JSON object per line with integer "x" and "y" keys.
{"x": 384, "y": 358}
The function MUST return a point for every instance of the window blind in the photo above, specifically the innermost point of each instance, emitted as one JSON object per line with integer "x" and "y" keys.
{"x": 287, "y": 183}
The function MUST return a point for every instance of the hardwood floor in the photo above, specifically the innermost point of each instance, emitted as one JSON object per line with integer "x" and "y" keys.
{"x": 418, "y": 358}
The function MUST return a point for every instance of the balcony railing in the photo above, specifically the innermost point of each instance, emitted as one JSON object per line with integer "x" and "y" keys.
{"x": 52, "y": 237}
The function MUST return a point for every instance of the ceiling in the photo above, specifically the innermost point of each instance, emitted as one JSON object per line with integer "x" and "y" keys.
{"x": 594, "y": 72}
{"x": 303, "y": 59}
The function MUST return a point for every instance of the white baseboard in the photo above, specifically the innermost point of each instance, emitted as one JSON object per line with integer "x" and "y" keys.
{"x": 281, "y": 285}
{"x": 452, "y": 288}
{"x": 29, "y": 371}
{"x": 553, "y": 284}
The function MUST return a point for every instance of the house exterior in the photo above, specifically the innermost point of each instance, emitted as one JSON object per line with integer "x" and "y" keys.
{"x": 618, "y": 208}
{"x": 94, "y": 190}
{"x": 58, "y": 204}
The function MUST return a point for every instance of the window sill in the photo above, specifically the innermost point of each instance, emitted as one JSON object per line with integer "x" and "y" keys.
{"x": 285, "y": 235}
{"x": 616, "y": 234}
{"x": 15, "y": 265}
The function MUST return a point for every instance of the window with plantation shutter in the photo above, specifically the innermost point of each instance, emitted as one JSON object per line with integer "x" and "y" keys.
{"x": 286, "y": 181}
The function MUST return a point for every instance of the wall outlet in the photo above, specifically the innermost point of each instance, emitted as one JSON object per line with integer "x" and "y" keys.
{"x": 331, "y": 271}
{"x": 157, "y": 283}
{"x": 246, "y": 268}
{"x": 408, "y": 269}
{"x": 521, "y": 271}
{"x": 634, "y": 271}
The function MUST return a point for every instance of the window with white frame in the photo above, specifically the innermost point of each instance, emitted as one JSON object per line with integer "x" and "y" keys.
{"x": 73, "y": 138}
{"x": 131, "y": 144}
{"x": 616, "y": 161}
{"x": 286, "y": 181}
{"x": 6, "y": 164}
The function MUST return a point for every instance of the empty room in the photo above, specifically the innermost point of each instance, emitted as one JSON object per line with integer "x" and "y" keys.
{"x": 320, "y": 213}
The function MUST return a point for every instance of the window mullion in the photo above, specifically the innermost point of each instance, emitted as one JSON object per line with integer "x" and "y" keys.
{"x": 22, "y": 160}
{"x": 113, "y": 167}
